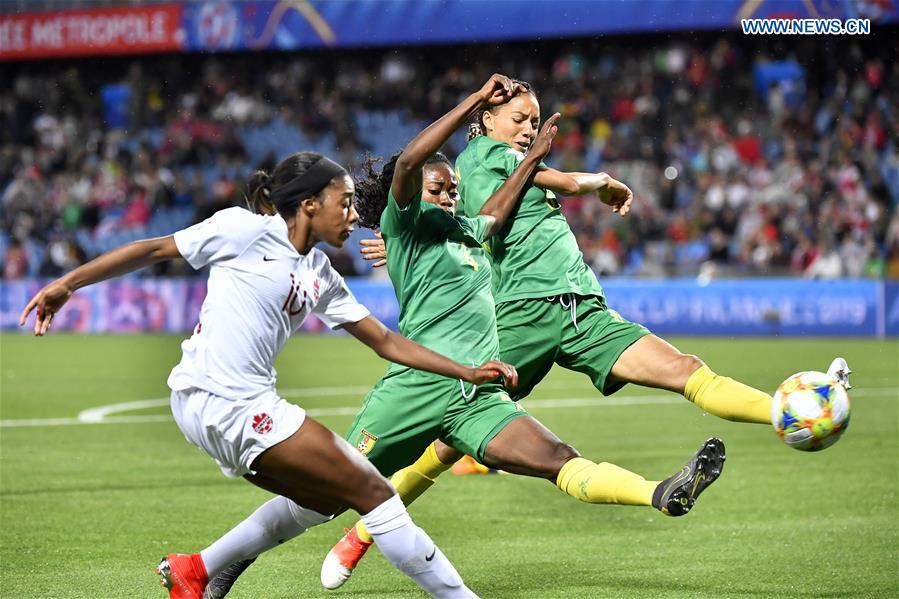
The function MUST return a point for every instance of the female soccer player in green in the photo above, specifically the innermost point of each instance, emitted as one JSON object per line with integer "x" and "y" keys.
{"x": 551, "y": 310}
{"x": 542, "y": 278}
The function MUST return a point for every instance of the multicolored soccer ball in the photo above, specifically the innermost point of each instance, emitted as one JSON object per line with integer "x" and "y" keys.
{"x": 810, "y": 411}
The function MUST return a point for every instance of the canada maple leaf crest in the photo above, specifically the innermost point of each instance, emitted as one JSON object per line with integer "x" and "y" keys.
{"x": 262, "y": 423}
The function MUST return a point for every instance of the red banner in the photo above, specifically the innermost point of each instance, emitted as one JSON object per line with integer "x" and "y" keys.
{"x": 127, "y": 30}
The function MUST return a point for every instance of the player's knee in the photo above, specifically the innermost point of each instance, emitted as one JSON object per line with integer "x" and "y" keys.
{"x": 446, "y": 454}
{"x": 562, "y": 453}
{"x": 375, "y": 491}
{"x": 381, "y": 490}
{"x": 687, "y": 364}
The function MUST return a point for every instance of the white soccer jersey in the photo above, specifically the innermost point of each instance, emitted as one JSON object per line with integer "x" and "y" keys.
{"x": 260, "y": 290}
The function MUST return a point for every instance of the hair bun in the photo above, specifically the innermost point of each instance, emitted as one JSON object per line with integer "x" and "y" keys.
{"x": 474, "y": 130}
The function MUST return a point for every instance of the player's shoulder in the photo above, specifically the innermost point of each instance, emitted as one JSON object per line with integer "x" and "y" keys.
{"x": 485, "y": 151}
{"x": 320, "y": 263}
{"x": 478, "y": 147}
{"x": 248, "y": 223}
{"x": 234, "y": 213}
{"x": 234, "y": 217}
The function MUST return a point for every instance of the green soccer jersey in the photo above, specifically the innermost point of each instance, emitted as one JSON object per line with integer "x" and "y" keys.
{"x": 536, "y": 254}
{"x": 441, "y": 277}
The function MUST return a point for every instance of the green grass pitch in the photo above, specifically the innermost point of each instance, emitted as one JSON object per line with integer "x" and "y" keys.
{"x": 88, "y": 509}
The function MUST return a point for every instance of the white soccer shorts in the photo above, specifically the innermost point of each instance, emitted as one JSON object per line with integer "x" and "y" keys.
{"x": 235, "y": 432}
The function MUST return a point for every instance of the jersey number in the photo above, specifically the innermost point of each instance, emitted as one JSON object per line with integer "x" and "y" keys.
{"x": 467, "y": 258}
{"x": 294, "y": 304}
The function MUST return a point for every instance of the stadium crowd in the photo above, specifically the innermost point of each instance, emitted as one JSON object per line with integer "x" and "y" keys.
{"x": 732, "y": 177}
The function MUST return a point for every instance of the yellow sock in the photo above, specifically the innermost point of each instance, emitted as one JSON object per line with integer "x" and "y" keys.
{"x": 412, "y": 481}
{"x": 604, "y": 483}
{"x": 727, "y": 398}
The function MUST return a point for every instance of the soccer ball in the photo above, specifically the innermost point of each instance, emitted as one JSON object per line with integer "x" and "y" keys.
{"x": 810, "y": 411}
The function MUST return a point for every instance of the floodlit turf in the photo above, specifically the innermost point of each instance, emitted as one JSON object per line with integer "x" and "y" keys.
{"x": 87, "y": 510}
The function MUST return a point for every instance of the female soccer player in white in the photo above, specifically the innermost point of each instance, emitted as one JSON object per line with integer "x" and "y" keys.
{"x": 265, "y": 278}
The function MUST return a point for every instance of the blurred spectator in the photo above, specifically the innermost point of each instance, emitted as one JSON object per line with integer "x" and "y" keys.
{"x": 826, "y": 263}
{"x": 798, "y": 178}
{"x": 15, "y": 262}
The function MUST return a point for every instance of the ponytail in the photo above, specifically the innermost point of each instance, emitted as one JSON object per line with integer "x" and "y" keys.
{"x": 476, "y": 129}
{"x": 259, "y": 191}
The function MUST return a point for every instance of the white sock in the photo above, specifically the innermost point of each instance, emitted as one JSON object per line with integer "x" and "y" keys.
{"x": 411, "y": 551}
{"x": 276, "y": 521}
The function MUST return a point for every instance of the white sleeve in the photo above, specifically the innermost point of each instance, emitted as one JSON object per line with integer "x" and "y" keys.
{"x": 337, "y": 305}
{"x": 223, "y": 236}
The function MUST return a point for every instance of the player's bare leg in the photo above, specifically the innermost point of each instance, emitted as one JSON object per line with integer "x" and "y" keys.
{"x": 315, "y": 472}
{"x": 653, "y": 362}
{"x": 525, "y": 446}
{"x": 341, "y": 561}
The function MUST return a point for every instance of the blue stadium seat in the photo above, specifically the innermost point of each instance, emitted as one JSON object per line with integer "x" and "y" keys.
{"x": 4, "y": 243}
{"x": 36, "y": 253}
{"x": 86, "y": 241}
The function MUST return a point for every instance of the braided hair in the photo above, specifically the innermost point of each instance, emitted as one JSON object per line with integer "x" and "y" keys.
{"x": 373, "y": 186}
{"x": 477, "y": 128}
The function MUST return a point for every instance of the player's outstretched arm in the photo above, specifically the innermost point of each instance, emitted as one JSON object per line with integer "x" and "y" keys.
{"x": 500, "y": 205}
{"x": 611, "y": 192}
{"x": 407, "y": 173}
{"x": 396, "y": 348}
{"x": 120, "y": 261}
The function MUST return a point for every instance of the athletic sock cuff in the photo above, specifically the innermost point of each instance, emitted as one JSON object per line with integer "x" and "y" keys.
{"x": 697, "y": 380}
{"x": 570, "y": 472}
{"x": 388, "y": 516}
{"x": 436, "y": 467}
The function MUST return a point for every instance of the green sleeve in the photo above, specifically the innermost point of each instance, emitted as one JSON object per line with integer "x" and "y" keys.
{"x": 485, "y": 171}
{"x": 395, "y": 219}
{"x": 502, "y": 160}
{"x": 475, "y": 227}
{"x": 488, "y": 175}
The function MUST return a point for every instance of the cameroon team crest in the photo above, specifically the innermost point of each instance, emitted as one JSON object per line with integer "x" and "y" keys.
{"x": 365, "y": 441}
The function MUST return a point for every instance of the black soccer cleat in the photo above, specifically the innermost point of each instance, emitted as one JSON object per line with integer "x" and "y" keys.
{"x": 219, "y": 586}
{"x": 676, "y": 495}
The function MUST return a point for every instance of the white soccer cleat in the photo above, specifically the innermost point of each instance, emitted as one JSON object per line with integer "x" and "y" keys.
{"x": 343, "y": 558}
{"x": 839, "y": 370}
{"x": 333, "y": 573}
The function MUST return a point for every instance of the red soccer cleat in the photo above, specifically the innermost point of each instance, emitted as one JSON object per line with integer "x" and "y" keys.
{"x": 342, "y": 559}
{"x": 184, "y": 575}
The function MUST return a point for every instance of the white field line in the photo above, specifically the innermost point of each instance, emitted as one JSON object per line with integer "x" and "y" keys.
{"x": 103, "y": 414}
{"x": 99, "y": 414}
